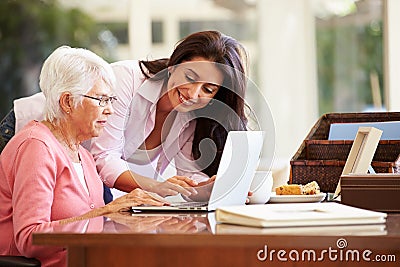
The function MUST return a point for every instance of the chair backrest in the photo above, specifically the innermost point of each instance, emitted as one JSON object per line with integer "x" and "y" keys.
{"x": 7, "y": 129}
{"x": 18, "y": 261}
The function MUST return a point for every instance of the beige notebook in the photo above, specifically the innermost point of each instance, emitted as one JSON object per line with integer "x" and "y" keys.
{"x": 321, "y": 230}
{"x": 297, "y": 214}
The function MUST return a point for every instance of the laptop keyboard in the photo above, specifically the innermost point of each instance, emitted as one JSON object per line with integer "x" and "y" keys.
{"x": 189, "y": 204}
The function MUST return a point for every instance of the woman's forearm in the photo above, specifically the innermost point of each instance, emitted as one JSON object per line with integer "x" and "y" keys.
{"x": 129, "y": 181}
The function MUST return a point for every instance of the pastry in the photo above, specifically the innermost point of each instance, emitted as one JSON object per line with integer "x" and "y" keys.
{"x": 289, "y": 189}
{"x": 311, "y": 188}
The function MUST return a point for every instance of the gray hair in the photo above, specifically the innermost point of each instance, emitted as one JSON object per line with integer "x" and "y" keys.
{"x": 74, "y": 70}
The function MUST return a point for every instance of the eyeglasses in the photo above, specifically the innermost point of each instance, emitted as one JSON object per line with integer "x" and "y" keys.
{"x": 103, "y": 100}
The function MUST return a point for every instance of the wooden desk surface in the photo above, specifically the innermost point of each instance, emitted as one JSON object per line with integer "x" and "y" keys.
{"x": 193, "y": 239}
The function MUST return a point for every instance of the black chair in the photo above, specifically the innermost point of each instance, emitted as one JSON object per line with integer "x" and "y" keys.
{"x": 18, "y": 261}
{"x": 7, "y": 129}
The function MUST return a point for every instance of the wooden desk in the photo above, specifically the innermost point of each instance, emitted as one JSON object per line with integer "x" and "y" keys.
{"x": 193, "y": 240}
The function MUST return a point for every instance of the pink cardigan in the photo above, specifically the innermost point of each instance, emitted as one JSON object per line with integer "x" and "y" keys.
{"x": 38, "y": 187}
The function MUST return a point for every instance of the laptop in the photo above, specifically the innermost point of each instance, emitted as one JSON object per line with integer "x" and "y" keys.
{"x": 239, "y": 161}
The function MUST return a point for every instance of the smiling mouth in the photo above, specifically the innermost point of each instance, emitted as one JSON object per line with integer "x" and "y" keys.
{"x": 184, "y": 101}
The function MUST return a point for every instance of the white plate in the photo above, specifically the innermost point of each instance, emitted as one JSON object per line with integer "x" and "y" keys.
{"x": 296, "y": 198}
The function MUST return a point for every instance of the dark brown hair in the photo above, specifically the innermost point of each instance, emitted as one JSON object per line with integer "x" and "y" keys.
{"x": 212, "y": 122}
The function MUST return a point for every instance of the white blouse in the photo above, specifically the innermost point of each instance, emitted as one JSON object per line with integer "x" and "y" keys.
{"x": 79, "y": 171}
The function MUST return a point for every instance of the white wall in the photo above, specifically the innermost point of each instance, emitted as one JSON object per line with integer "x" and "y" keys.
{"x": 392, "y": 54}
{"x": 139, "y": 29}
{"x": 287, "y": 70}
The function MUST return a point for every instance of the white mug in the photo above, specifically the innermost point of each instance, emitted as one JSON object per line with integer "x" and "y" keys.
{"x": 261, "y": 187}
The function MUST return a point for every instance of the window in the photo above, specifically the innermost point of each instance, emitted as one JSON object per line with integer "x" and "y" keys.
{"x": 157, "y": 33}
{"x": 350, "y": 58}
{"x": 118, "y": 31}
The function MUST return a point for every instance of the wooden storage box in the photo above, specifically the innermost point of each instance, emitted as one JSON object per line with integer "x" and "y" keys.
{"x": 379, "y": 192}
{"x": 323, "y": 160}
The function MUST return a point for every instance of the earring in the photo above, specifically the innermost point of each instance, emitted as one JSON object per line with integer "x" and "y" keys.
{"x": 211, "y": 102}
{"x": 168, "y": 74}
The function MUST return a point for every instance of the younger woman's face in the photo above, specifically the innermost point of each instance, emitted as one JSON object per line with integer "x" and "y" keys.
{"x": 193, "y": 84}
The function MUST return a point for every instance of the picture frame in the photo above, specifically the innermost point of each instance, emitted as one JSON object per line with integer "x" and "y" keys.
{"x": 361, "y": 153}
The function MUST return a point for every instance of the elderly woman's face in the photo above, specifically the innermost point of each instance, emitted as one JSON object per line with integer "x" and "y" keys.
{"x": 90, "y": 118}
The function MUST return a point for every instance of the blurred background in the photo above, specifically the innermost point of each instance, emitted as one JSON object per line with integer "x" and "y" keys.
{"x": 308, "y": 57}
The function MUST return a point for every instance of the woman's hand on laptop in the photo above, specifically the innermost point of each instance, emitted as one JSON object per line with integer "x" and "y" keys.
{"x": 203, "y": 190}
{"x": 171, "y": 187}
{"x": 136, "y": 197}
{"x": 184, "y": 182}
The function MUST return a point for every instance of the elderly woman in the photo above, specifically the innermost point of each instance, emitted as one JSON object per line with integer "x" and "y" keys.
{"x": 46, "y": 177}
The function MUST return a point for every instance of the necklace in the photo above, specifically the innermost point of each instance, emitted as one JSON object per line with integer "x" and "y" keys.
{"x": 71, "y": 148}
